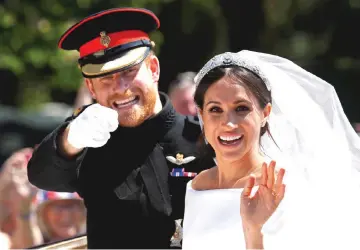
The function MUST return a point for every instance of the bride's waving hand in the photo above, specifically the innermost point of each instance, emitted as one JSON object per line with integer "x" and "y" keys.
{"x": 256, "y": 210}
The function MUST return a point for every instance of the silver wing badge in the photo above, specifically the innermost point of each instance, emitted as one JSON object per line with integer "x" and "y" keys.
{"x": 179, "y": 160}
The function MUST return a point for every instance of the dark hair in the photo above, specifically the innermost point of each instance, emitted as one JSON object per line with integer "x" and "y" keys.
{"x": 240, "y": 75}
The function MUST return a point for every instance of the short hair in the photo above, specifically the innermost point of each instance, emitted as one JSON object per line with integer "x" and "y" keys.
{"x": 182, "y": 80}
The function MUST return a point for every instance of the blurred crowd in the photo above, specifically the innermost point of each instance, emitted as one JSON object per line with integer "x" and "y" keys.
{"x": 30, "y": 216}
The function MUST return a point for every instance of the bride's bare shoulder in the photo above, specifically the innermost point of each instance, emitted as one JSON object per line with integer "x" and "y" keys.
{"x": 205, "y": 180}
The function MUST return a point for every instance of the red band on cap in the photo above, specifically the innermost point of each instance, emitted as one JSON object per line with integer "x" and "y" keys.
{"x": 116, "y": 39}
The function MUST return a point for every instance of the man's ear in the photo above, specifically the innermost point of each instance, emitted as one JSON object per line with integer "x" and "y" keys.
{"x": 90, "y": 86}
{"x": 154, "y": 66}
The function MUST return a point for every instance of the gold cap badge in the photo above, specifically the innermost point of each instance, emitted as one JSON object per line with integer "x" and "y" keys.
{"x": 104, "y": 39}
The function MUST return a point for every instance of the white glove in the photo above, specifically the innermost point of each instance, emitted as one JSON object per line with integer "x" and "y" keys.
{"x": 92, "y": 127}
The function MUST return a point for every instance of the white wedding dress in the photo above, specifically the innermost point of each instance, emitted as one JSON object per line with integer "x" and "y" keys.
{"x": 212, "y": 221}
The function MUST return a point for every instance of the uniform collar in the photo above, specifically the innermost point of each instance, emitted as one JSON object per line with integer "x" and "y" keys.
{"x": 165, "y": 118}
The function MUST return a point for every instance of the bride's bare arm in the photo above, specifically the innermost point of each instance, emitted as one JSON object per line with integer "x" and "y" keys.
{"x": 253, "y": 238}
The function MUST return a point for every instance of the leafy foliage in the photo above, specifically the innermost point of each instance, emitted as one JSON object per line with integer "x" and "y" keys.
{"x": 308, "y": 31}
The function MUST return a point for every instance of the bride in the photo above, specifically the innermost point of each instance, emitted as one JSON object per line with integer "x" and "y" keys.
{"x": 262, "y": 116}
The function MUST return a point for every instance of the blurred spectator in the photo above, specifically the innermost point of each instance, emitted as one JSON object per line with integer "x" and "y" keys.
{"x": 181, "y": 93}
{"x": 60, "y": 215}
{"x": 16, "y": 202}
{"x": 29, "y": 216}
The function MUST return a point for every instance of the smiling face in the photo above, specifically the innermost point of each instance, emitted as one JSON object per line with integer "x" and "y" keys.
{"x": 233, "y": 117}
{"x": 133, "y": 93}
{"x": 64, "y": 218}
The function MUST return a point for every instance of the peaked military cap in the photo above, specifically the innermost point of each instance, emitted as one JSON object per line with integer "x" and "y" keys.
{"x": 112, "y": 40}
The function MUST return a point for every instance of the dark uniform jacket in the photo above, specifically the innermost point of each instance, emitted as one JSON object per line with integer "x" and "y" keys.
{"x": 134, "y": 186}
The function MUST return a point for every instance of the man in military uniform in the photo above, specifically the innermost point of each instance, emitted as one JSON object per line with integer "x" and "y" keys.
{"x": 130, "y": 155}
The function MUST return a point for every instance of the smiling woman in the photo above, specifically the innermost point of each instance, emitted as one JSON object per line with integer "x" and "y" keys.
{"x": 233, "y": 99}
{"x": 238, "y": 96}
